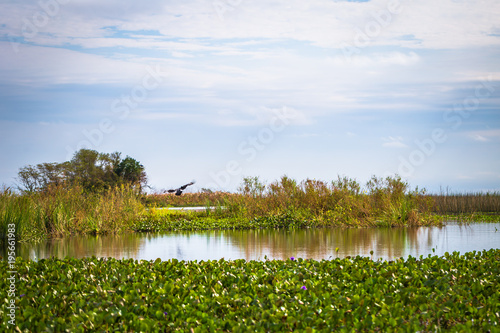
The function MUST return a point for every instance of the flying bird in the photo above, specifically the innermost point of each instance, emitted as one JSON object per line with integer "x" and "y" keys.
{"x": 178, "y": 191}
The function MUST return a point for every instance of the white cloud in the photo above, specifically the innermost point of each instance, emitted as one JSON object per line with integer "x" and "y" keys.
{"x": 484, "y": 135}
{"x": 262, "y": 56}
{"x": 477, "y": 137}
{"x": 394, "y": 142}
{"x": 34, "y": 65}
{"x": 418, "y": 24}
{"x": 305, "y": 135}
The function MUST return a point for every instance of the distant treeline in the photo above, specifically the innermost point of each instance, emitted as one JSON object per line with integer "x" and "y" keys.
{"x": 89, "y": 169}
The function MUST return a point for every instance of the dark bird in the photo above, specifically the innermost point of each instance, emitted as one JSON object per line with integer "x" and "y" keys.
{"x": 178, "y": 191}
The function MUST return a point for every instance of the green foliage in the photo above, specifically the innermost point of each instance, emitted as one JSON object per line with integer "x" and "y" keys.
{"x": 61, "y": 211}
{"x": 252, "y": 186}
{"x": 89, "y": 169}
{"x": 388, "y": 201}
{"x": 203, "y": 198}
{"x": 455, "y": 292}
{"x": 287, "y": 203}
{"x": 64, "y": 210}
{"x": 130, "y": 171}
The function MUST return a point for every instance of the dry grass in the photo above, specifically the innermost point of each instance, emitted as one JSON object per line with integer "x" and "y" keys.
{"x": 386, "y": 201}
{"x": 284, "y": 203}
{"x": 466, "y": 203}
{"x": 186, "y": 199}
{"x": 62, "y": 211}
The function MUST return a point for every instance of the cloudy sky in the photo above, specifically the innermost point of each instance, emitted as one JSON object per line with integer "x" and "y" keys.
{"x": 216, "y": 90}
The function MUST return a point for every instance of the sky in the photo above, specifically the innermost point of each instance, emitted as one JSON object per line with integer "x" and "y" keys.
{"x": 218, "y": 90}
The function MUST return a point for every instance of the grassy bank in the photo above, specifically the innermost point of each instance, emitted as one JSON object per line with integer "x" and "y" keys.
{"x": 454, "y": 292}
{"x": 311, "y": 203}
{"x": 343, "y": 202}
{"x": 66, "y": 211}
{"x": 286, "y": 203}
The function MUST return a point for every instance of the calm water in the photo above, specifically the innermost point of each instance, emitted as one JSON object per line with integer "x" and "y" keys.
{"x": 386, "y": 243}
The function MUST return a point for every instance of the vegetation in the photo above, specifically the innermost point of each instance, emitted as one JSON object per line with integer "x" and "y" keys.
{"x": 60, "y": 211}
{"x": 93, "y": 193}
{"x": 467, "y": 203}
{"x": 255, "y": 199}
{"x": 88, "y": 169}
{"x": 311, "y": 203}
{"x": 202, "y": 198}
{"x": 454, "y": 292}
{"x": 83, "y": 206}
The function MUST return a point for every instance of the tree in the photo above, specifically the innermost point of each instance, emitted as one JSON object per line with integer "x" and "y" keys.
{"x": 34, "y": 178}
{"x": 252, "y": 186}
{"x": 93, "y": 170}
{"x": 30, "y": 178}
{"x": 132, "y": 172}
{"x": 90, "y": 169}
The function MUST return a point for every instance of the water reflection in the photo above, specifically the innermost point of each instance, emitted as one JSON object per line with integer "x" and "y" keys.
{"x": 386, "y": 243}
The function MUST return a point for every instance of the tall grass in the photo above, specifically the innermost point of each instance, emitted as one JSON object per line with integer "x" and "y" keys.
{"x": 387, "y": 201}
{"x": 286, "y": 202}
{"x": 62, "y": 211}
{"x": 466, "y": 203}
{"x": 204, "y": 198}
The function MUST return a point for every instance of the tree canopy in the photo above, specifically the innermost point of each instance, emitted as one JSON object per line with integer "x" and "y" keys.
{"x": 90, "y": 169}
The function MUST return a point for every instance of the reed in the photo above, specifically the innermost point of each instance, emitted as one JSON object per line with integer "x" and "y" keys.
{"x": 387, "y": 201}
{"x": 62, "y": 211}
{"x": 466, "y": 203}
{"x": 343, "y": 202}
{"x": 203, "y": 198}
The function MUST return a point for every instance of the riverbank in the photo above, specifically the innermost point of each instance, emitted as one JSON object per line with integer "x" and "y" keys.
{"x": 453, "y": 292}
{"x": 64, "y": 211}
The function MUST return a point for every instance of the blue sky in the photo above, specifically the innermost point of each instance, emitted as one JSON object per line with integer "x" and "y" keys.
{"x": 217, "y": 90}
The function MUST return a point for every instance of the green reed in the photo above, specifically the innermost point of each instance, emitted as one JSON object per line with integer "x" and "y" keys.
{"x": 203, "y": 198}
{"x": 288, "y": 203}
{"x": 64, "y": 211}
{"x": 387, "y": 201}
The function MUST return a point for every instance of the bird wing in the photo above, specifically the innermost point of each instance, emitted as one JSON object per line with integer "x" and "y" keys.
{"x": 183, "y": 187}
{"x": 171, "y": 191}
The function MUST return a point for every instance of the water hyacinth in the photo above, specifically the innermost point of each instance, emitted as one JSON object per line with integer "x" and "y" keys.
{"x": 450, "y": 293}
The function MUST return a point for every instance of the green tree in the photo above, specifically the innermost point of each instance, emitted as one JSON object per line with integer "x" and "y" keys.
{"x": 131, "y": 171}
{"x": 34, "y": 178}
{"x": 90, "y": 169}
{"x": 30, "y": 178}
{"x": 252, "y": 186}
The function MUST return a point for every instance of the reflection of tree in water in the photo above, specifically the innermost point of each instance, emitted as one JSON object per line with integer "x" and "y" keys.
{"x": 387, "y": 243}
{"x": 321, "y": 243}
{"x": 117, "y": 246}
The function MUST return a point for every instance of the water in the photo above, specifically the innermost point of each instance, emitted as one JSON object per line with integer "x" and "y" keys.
{"x": 386, "y": 243}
